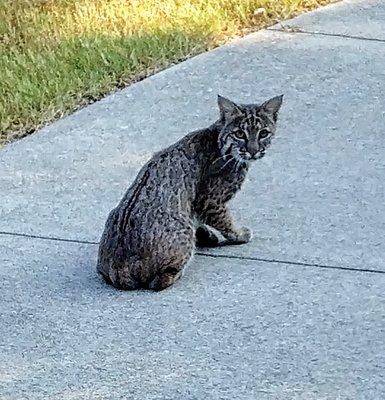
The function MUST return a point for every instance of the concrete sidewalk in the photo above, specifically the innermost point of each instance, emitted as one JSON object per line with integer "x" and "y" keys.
{"x": 299, "y": 313}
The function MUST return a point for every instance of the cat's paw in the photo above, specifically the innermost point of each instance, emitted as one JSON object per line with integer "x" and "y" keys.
{"x": 244, "y": 235}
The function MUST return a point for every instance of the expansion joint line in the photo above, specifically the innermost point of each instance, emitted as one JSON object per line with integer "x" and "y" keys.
{"x": 208, "y": 255}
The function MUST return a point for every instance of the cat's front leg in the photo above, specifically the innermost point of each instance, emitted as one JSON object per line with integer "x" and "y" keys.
{"x": 219, "y": 218}
{"x": 206, "y": 237}
{"x": 240, "y": 236}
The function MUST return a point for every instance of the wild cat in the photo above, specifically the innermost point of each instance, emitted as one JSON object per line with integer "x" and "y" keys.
{"x": 179, "y": 198}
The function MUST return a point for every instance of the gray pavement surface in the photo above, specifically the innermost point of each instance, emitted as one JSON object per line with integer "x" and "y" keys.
{"x": 356, "y": 18}
{"x": 235, "y": 326}
{"x": 231, "y": 329}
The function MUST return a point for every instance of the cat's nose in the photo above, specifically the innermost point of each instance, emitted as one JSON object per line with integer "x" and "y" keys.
{"x": 253, "y": 148}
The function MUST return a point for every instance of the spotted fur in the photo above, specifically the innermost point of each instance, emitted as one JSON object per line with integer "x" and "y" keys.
{"x": 180, "y": 197}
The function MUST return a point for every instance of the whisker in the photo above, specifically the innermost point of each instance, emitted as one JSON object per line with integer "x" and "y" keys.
{"x": 229, "y": 149}
{"x": 226, "y": 149}
{"x": 221, "y": 158}
{"x": 226, "y": 163}
{"x": 237, "y": 166}
{"x": 240, "y": 165}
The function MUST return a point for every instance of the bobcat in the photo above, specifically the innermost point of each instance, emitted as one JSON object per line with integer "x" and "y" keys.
{"x": 181, "y": 194}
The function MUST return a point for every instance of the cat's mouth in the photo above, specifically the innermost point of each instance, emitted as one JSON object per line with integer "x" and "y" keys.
{"x": 259, "y": 155}
{"x": 246, "y": 156}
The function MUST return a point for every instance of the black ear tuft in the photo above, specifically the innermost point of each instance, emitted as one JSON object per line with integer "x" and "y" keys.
{"x": 227, "y": 108}
{"x": 272, "y": 106}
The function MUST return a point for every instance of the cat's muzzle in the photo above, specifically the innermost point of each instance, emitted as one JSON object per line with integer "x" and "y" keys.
{"x": 258, "y": 155}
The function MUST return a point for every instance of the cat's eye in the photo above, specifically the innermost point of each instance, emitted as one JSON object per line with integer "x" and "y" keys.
{"x": 263, "y": 133}
{"x": 240, "y": 134}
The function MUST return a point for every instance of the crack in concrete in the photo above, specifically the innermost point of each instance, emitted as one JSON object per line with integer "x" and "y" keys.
{"x": 212, "y": 255}
{"x": 288, "y": 262}
{"x": 294, "y": 30}
{"x": 57, "y": 239}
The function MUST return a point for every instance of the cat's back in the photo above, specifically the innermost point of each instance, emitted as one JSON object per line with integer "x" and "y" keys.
{"x": 164, "y": 175}
{"x": 164, "y": 185}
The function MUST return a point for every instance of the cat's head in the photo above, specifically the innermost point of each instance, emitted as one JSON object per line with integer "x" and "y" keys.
{"x": 247, "y": 130}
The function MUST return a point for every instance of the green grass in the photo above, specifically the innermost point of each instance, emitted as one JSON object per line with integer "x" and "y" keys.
{"x": 57, "y": 55}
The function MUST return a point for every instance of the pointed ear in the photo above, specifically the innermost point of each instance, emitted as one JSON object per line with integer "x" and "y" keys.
{"x": 227, "y": 108}
{"x": 272, "y": 106}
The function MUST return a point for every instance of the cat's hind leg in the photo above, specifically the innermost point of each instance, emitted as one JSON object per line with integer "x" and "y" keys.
{"x": 171, "y": 264}
{"x": 122, "y": 275}
{"x": 165, "y": 278}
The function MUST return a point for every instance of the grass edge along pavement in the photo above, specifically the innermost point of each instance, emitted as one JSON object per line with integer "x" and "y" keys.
{"x": 58, "y": 55}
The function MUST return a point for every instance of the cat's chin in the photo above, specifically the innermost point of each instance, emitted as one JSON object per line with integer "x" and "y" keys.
{"x": 243, "y": 160}
{"x": 258, "y": 156}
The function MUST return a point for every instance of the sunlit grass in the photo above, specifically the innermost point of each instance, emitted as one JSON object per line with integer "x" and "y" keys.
{"x": 56, "y": 55}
